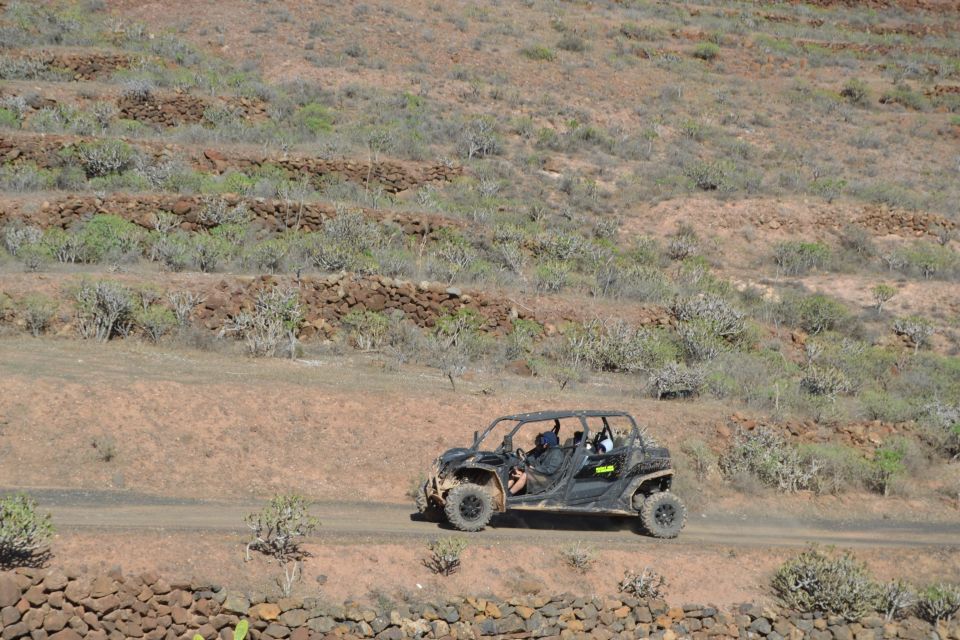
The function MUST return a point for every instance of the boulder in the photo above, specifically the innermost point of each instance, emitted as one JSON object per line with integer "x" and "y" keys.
{"x": 102, "y": 586}
{"x": 276, "y": 631}
{"x": 55, "y": 581}
{"x": 236, "y": 603}
{"x": 55, "y": 621}
{"x": 9, "y": 591}
{"x": 265, "y": 611}
{"x": 16, "y": 630}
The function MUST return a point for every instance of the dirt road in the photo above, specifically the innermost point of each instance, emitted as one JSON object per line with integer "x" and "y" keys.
{"x": 385, "y": 522}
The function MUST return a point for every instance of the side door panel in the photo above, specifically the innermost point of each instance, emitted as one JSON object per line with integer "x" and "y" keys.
{"x": 598, "y": 473}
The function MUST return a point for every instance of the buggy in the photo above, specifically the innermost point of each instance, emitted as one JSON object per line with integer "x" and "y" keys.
{"x": 609, "y": 467}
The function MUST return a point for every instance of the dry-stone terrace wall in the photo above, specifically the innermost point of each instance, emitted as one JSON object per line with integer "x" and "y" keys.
{"x": 168, "y": 111}
{"x": 164, "y": 109}
{"x": 327, "y": 299}
{"x": 175, "y": 109}
{"x": 274, "y": 215}
{"x": 394, "y": 176}
{"x": 81, "y": 65}
{"x": 56, "y": 605}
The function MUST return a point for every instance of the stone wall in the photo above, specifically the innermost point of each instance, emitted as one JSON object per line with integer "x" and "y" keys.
{"x": 163, "y": 109}
{"x": 270, "y": 214}
{"x": 81, "y": 65}
{"x": 57, "y": 605}
{"x": 168, "y": 111}
{"x": 328, "y": 299}
{"x": 46, "y": 151}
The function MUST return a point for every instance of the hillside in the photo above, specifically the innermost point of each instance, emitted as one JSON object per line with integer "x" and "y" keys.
{"x": 737, "y": 220}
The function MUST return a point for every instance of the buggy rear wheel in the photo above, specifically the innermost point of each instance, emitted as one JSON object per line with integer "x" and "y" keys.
{"x": 427, "y": 508}
{"x": 663, "y": 514}
{"x": 469, "y": 507}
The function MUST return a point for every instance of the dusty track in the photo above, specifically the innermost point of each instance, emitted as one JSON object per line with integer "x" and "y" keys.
{"x": 386, "y": 522}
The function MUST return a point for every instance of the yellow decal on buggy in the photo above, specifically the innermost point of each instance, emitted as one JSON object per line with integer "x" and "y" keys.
{"x": 607, "y": 469}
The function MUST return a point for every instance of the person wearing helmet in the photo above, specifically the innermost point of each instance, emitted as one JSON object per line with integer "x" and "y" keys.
{"x": 605, "y": 445}
{"x": 541, "y": 464}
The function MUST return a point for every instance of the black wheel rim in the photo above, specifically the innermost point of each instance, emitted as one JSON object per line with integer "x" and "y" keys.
{"x": 471, "y": 507}
{"x": 665, "y": 515}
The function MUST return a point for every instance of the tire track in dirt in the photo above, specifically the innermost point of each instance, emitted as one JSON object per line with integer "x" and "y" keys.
{"x": 379, "y": 522}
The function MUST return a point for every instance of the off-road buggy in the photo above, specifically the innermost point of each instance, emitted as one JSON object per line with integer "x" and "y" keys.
{"x": 609, "y": 468}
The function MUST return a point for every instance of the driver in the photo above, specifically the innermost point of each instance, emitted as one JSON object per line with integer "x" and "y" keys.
{"x": 539, "y": 467}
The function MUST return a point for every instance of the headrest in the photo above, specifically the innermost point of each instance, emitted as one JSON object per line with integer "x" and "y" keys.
{"x": 548, "y": 439}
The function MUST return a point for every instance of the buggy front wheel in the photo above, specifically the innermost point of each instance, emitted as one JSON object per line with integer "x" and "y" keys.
{"x": 468, "y": 507}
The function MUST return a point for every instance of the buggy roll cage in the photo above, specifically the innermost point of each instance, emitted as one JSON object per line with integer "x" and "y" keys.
{"x": 543, "y": 416}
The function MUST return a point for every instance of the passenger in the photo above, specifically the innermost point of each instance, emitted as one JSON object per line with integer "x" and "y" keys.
{"x": 541, "y": 464}
{"x": 605, "y": 445}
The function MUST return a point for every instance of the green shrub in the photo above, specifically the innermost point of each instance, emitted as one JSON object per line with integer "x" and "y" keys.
{"x": 17, "y": 235}
{"x": 943, "y": 422}
{"x": 675, "y": 380}
{"x": 903, "y": 95}
{"x": 765, "y": 455}
{"x": 105, "y": 157}
{"x": 521, "y": 338}
{"x": 34, "y": 256}
{"x": 9, "y": 118}
{"x": 839, "y": 468}
{"x": 703, "y": 459}
{"x": 886, "y": 465}
{"x": 645, "y": 585}
{"x": 795, "y": 257}
{"x": 836, "y": 583}
{"x": 538, "y": 52}
{"x": 885, "y": 406}
{"x": 856, "y": 92}
{"x": 38, "y": 309}
{"x": 315, "y": 118}
{"x": 24, "y": 533}
{"x": 699, "y": 340}
{"x": 882, "y": 293}
{"x": 711, "y": 175}
{"x": 916, "y": 328}
{"x": 104, "y": 310}
{"x": 722, "y": 318}
{"x": 109, "y": 238}
{"x": 479, "y": 138}
{"x": 445, "y": 555}
{"x": 572, "y": 42}
{"x": 929, "y": 259}
{"x": 828, "y": 382}
{"x": 155, "y": 321}
{"x": 280, "y": 527}
{"x": 208, "y": 250}
{"x": 938, "y": 602}
{"x": 368, "y": 329}
{"x": 64, "y": 247}
{"x": 271, "y": 325}
{"x": 26, "y": 176}
{"x": 552, "y": 276}
{"x": 706, "y": 51}
{"x": 814, "y": 313}
{"x": 897, "y": 597}
{"x": 578, "y": 556}
{"x": 269, "y": 255}
{"x": 640, "y": 32}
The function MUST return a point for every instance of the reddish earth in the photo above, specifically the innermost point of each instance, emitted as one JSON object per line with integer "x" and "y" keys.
{"x": 213, "y": 426}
